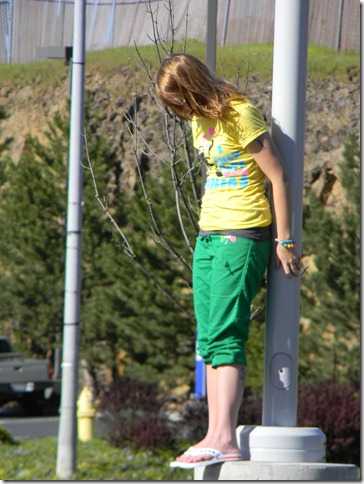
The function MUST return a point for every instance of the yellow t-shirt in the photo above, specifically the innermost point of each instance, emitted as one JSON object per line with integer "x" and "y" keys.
{"x": 234, "y": 196}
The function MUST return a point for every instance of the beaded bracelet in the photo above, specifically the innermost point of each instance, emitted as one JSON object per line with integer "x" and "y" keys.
{"x": 287, "y": 244}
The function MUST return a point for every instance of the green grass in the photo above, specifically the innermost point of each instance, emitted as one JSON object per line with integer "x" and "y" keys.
{"x": 96, "y": 460}
{"x": 41, "y": 72}
{"x": 257, "y": 59}
{"x": 323, "y": 62}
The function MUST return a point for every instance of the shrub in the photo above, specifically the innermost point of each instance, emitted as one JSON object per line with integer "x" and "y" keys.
{"x": 6, "y": 437}
{"x": 125, "y": 393}
{"x": 136, "y": 411}
{"x": 335, "y": 409}
{"x": 147, "y": 432}
{"x": 150, "y": 432}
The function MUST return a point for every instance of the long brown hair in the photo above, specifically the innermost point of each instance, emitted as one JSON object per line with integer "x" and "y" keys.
{"x": 186, "y": 85}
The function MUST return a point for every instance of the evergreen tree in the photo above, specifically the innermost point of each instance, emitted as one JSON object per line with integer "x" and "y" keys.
{"x": 329, "y": 344}
{"x": 32, "y": 212}
{"x": 4, "y": 145}
{"x": 156, "y": 336}
{"x": 32, "y": 243}
{"x": 126, "y": 321}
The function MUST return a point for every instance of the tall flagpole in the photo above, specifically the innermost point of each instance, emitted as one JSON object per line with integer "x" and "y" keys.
{"x": 67, "y": 437}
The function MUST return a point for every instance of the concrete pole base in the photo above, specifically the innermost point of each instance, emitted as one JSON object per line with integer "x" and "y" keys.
{"x": 259, "y": 443}
{"x": 277, "y": 471}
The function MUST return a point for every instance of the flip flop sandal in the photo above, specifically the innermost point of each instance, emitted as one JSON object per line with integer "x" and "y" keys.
{"x": 217, "y": 457}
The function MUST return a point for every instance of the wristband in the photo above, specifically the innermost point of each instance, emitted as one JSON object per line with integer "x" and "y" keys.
{"x": 287, "y": 244}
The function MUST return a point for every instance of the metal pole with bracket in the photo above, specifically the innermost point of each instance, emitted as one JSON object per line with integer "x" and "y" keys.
{"x": 67, "y": 438}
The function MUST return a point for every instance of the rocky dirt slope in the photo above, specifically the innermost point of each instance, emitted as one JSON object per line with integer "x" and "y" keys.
{"x": 332, "y": 111}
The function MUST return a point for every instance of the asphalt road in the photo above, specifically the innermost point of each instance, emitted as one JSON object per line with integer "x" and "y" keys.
{"x": 30, "y": 427}
{"x": 22, "y": 426}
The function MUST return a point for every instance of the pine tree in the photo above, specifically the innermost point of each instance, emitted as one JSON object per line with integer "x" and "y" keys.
{"x": 32, "y": 212}
{"x": 32, "y": 243}
{"x": 126, "y": 321}
{"x": 156, "y": 336}
{"x": 329, "y": 344}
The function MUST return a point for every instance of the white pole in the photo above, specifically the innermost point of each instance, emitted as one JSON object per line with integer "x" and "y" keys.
{"x": 211, "y": 34}
{"x": 200, "y": 368}
{"x": 67, "y": 438}
{"x": 227, "y": 10}
{"x": 278, "y": 439}
{"x": 288, "y": 127}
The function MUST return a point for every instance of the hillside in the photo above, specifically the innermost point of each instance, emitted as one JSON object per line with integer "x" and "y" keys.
{"x": 332, "y": 111}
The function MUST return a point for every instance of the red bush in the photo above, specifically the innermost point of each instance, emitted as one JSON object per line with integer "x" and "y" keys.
{"x": 135, "y": 409}
{"x": 126, "y": 393}
{"x": 335, "y": 410}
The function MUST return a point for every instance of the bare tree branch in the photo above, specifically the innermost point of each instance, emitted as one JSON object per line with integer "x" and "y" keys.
{"x": 159, "y": 234}
{"x": 125, "y": 243}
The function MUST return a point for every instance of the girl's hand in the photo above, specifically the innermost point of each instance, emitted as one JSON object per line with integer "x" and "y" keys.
{"x": 289, "y": 260}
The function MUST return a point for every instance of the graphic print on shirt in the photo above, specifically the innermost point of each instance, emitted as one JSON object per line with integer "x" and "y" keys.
{"x": 229, "y": 174}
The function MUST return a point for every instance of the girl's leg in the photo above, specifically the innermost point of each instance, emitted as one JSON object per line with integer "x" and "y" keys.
{"x": 230, "y": 388}
{"x": 211, "y": 387}
{"x": 225, "y": 387}
{"x": 223, "y": 296}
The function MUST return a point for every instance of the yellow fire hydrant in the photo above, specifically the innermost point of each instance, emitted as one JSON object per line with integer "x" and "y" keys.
{"x": 86, "y": 412}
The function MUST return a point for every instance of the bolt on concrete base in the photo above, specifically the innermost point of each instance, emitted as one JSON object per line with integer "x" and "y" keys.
{"x": 276, "y": 471}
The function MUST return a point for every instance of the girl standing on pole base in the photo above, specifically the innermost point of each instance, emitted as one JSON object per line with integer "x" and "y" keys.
{"x": 234, "y": 243}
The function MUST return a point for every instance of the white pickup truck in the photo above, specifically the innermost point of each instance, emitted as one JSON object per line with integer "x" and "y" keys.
{"x": 27, "y": 381}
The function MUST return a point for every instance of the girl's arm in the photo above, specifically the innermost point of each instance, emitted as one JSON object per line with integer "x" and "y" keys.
{"x": 267, "y": 157}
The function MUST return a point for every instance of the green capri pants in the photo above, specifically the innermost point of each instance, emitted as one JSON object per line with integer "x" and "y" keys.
{"x": 227, "y": 272}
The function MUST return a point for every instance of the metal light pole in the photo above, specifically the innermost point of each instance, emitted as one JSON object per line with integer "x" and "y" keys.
{"x": 278, "y": 439}
{"x": 67, "y": 438}
{"x": 288, "y": 128}
{"x": 200, "y": 367}
{"x": 211, "y": 34}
